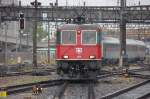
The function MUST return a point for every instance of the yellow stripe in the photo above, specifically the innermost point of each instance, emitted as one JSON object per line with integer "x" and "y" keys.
{"x": 3, "y": 94}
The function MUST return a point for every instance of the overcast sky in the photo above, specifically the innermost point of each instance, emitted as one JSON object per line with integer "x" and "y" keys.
{"x": 89, "y": 2}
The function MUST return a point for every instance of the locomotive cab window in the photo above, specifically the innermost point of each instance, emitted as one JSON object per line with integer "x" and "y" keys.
{"x": 89, "y": 37}
{"x": 68, "y": 37}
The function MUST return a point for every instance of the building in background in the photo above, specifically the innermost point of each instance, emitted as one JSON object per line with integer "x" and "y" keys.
{"x": 12, "y": 26}
{"x": 8, "y": 27}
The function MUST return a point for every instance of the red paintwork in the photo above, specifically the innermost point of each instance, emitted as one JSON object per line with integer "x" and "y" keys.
{"x": 70, "y": 50}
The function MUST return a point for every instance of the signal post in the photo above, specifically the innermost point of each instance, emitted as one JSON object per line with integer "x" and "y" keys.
{"x": 35, "y": 4}
{"x": 123, "y": 54}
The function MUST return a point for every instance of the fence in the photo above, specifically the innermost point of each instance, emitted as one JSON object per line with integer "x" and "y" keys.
{"x": 25, "y": 57}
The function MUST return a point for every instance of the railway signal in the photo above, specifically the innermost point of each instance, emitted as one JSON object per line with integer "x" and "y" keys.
{"x": 21, "y": 21}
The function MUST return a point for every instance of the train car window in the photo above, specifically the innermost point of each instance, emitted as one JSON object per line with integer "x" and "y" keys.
{"x": 68, "y": 37}
{"x": 89, "y": 37}
{"x": 58, "y": 37}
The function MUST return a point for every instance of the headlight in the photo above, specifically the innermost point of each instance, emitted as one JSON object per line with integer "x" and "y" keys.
{"x": 66, "y": 57}
{"x": 92, "y": 57}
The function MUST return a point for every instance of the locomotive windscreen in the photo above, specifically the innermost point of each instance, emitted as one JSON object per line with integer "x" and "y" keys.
{"x": 89, "y": 37}
{"x": 68, "y": 37}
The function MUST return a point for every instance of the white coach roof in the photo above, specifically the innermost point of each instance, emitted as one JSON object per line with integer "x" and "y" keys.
{"x": 112, "y": 40}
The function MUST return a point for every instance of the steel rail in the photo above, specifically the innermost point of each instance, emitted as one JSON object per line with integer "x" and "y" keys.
{"x": 130, "y": 72}
{"x": 139, "y": 75}
{"x": 144, "y": 96}
{"x": 109, "y": 74}
{"x": 91, "y": 93}
{"x": 26, "y": 87}
{"x": 117, "y": 93}
{"x": 104, "y": 76}
{"x": 46, "y": 71}
{"x": 59, "y": 94}
{"x": 140, "y": 69}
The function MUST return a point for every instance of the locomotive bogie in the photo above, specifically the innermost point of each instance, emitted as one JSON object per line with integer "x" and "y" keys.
{"x": 78, "y": 68}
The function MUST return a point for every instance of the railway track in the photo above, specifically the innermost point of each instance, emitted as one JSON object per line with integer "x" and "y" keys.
{"x": 131, "y": 72}
{"x": 26, "y": 87}
{"x": 137, "y": 91}
{"x": 108, "y": 74}
{"x": 140, "y": 69}
{"x": 91, "y": 93}
{"x": 145, "y": 96}
{"x": 59, "y": 94}
{"x": 64, "y": 84}
{"x": 42, "y": 72}
{"x": 145, "y": 67}
{"x": 139, "y": 75}
{"x": 89, "y": 86}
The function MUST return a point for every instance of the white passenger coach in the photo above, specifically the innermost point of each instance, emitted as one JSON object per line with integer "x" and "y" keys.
{"x": 136, "y": 50}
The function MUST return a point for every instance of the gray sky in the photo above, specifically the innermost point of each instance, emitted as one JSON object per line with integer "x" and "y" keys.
{"x": 88, "y": 2}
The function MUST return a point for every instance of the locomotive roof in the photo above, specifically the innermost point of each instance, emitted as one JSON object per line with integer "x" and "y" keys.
{"x": 112, "y": 40}
{"x": 81, "y": 26}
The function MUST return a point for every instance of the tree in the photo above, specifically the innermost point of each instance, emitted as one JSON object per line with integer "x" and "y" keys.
{"x": 41, "y": 33}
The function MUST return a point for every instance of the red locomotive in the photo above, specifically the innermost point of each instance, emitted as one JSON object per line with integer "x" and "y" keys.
{"x": 78, "y": 50}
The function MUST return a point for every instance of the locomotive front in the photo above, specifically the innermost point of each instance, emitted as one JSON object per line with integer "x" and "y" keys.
{"x": 78, "y": 50}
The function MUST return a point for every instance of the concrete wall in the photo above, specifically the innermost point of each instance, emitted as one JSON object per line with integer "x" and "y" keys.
{"x": 11, "y": 28}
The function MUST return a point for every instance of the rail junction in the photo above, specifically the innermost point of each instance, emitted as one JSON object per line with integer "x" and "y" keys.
{"x": 89, "y": 86}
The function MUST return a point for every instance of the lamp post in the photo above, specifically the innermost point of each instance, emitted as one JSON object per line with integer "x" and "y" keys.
{"x": 35, "y": 4}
